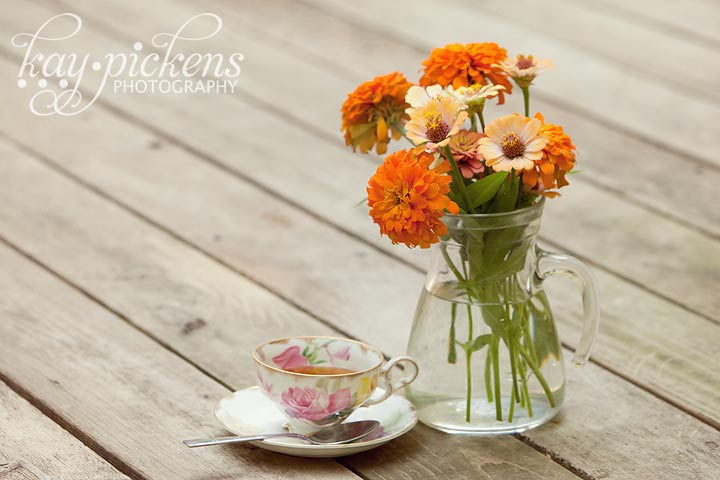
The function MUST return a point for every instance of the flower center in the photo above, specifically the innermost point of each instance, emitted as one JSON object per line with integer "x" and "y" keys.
{"x": 436, "y": 128}
{"x": 512, "y": 146}
{"x": 400, "y": 195}
{"x": 525, "y": 62}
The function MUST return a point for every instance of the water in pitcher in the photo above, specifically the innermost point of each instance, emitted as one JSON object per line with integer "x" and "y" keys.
{"x": 440, "y": 392}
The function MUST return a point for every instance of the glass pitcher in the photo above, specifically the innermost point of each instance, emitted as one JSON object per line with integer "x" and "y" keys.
{"x": 484, "y": 336}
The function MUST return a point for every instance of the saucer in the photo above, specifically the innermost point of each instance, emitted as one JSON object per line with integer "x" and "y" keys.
{"x": 250, "y": 412}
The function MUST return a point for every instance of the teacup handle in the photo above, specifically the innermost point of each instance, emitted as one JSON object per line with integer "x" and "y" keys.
{"x": 386, "y": 382}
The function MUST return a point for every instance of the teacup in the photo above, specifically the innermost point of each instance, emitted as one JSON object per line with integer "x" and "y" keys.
{"x": 319, "y": 381}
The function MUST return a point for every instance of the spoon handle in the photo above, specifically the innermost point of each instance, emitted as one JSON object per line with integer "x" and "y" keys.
{"x": 206, "y": 442}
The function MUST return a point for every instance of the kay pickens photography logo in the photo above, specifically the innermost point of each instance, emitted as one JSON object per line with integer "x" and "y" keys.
{"x": 69, "y": 83}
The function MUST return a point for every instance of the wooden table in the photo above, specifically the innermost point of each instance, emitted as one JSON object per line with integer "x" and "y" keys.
{"x": 150, "y": 242}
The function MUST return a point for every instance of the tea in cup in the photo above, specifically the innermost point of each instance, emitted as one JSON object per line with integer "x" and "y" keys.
{"x": 319, "y": 381}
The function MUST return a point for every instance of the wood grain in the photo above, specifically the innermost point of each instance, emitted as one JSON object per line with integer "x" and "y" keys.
{"x": 608, "y": 157}
{"x": 680, "y": 369}
{"x": 686, "y": 264}
{"x": 34, "y": 447}
{"x": 118, "y": 387}
{"x": 582, "y": 414}
{"x": 697, "y": 20}
{"x": 706, "y": 463}
{"x": 601, "y": 88}
{"x": 654, "y": 55}
{"x": 153, "y": 390}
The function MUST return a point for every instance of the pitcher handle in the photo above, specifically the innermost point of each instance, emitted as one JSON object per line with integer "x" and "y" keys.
{"x": 549, "y": 263}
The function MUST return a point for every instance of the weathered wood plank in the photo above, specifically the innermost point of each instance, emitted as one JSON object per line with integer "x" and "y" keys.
{"x": 272, "y": 171}
{"x": 117, "y": 386}
{"x": 604, "y": 152}
{"x": 616, "y": 355}
{"x": 655, "y": 55}
{"x": 138, "y": 273}
{"x": 124, "y": 392}
{"x": 56, "y": 250}
{"x": 34, "y": 447}
{"x": 691, "y": 296}
{"x": 597, "y": 87}
{"x": 698, "y": 20}
{"x": 583, "y": 415}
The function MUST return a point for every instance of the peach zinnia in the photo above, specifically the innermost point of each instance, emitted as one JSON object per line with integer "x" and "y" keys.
{"x": 524, "y": 69}
{"x": 374, "y": 110}
{"x": 513, "y": 142}
{"x": 407, "y": 198}
{"x": 435, "y": 122}
{"x": 558, "y": 158}
{"x": 464, "y": 65}
{"x": 465, "y": 149}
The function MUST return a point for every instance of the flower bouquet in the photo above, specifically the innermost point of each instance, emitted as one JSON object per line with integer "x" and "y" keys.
{"x": 474, "y": 186}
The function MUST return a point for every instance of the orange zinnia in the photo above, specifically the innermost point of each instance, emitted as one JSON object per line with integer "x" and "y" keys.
{"x": 464, "y": 65}
{"x": 558, "y": 158}
{"x": 372, "y": 110}
{"x": 407, "y": 198}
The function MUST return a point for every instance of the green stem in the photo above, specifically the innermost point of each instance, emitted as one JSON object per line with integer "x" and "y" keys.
{"x": 488, "y": 385}
{"x": 510, "y": 337}
{"x": 452, "y": 355}
{"x": 496, "y": 375}
{"x": 450, "y": 263}
{"x": 473, "y": 123}
{"x": 512, "y": 406}
{"x": 539, "y": 376}
{"x": 458, "y": 180}
{"x": 399, "y": 127}
{"x": 516, "y": 359}
{"x": 526, "y": 98}
{"x": 468, "y": 357}
{"x": 526, "y": 393}
{"x": 528, "y": 337}
{"x": 468, "y": 364}
{"x": 482, "y": 119}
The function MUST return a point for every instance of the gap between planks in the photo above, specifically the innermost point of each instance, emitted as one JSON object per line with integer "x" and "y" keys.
{"x": 239, "y": 175}
{"x": 394, "y": 36}
{"x": 51, "y": 414}
{"x": 618, "y": 11}
{"x": 111, "y": 31}
{"x": 224, "y": 168}
{"x": 107, "y": 197}
{"x": 87, "y": 440}
{"x": 274, "y": 111}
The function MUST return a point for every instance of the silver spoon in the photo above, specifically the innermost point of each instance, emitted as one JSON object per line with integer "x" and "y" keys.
{"x": 342, "y": 433}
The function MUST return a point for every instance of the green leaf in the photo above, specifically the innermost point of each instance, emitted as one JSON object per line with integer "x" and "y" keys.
{"x": 485, "y": 189}
{"x": 547, "y": 343}
{"x": 480, "y": 342}
{"x": 507, "y": 196}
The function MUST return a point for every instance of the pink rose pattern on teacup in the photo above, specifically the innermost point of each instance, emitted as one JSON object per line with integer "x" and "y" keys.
{"x": 313, "y": 404}
{"x": 342, "y": 354}
{"x": 293, "y": 357}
